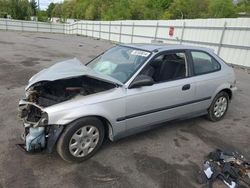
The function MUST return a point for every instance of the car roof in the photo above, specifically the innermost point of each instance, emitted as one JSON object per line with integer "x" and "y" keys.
{"x": 164, "y": 46}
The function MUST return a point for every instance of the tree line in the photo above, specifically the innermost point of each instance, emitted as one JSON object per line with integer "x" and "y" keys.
{"x": 126, "y": 9}
{"x": 18, "y": 9}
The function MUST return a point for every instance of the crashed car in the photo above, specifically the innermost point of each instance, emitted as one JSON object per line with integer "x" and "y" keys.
{"x": 125, "y": 90}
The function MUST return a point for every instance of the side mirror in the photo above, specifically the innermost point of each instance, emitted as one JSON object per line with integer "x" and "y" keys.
{"x": 142, "y": 80}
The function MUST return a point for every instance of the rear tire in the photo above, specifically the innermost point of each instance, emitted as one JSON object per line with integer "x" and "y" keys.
{"x": 81, "y": 139}
{"x": 219, "y": 107}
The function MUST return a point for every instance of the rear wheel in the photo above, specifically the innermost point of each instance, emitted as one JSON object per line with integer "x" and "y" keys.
{"x": 219, "y": 107}
{"x": 81, "y": 139}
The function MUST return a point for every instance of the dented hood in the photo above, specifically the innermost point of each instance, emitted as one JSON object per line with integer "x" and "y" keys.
{"x": 67, "y": 69}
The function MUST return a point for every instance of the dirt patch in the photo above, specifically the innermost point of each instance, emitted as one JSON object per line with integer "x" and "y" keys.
{"x": 12, "y": 77}
{"x": 167, "y": 175}
{"x": 31, "y": 61}
{"x": 44, "y": 38}
{"x": 177, "y": 143}
{"x": 22, "y": 176}
{"x": 93, "y": 174}
{"x": 8, "y": 43}
{"x": 212, "y": 138}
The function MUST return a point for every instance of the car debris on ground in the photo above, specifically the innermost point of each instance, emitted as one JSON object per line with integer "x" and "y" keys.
{"x": 230, "y": 167}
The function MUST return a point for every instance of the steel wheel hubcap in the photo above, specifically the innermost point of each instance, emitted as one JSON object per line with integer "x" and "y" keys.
{"x": 220, "y": 106}
{"x": 84, "y": 141}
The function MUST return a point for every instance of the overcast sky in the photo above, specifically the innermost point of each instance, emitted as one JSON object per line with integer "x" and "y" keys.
{"x": 44, "y": 3}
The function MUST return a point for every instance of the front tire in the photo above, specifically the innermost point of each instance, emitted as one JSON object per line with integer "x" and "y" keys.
{"x": 219, "y": 107}
{"x": 81, "y": 139}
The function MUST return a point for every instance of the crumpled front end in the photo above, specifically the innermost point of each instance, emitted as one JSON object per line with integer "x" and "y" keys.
{"x": 39, "y": 134}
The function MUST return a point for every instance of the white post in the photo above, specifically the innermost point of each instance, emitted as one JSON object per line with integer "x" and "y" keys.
{"x": 100, "y": 30}
{"x": 156, "y": 30}
{"x": 6, "y": 24}
{"x": 221, "y": 38}
{"x": 182, "y": 32}
{"x": 109, "y": 30}
{"x": 120, "y": 37}
{"x": 132, "y": 34}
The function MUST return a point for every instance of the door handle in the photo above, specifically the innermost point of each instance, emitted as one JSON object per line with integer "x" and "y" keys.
{"x": 186, "y": 87}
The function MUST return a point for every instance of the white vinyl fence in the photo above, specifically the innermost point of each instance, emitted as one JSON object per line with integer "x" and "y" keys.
{"x": 230, "y": 38}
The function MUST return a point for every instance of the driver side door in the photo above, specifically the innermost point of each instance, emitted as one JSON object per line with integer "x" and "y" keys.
{"x": 165, "y": 100}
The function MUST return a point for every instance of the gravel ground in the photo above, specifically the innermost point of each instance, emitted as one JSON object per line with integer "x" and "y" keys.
{"x": 169, "y": 156}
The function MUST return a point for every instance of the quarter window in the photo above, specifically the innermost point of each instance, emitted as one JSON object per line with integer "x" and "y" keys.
{"x": 204, "y": 63}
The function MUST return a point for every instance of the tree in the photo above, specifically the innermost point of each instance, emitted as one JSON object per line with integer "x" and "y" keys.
{"x": 68, "y": 8}
{"x": 188, "y": 9}
{"x": 118, "y": 10}
{"x": 57, "y": 11}
{"x": 244, "y": 6}
{"x": 42, "y": 16}
{"x": 221, "y": 9}
{"x": 20, "y": 9}
{"x": 34, "y": 7}
{"x": 4, "y": 8}
{"x": 50, "y": 10}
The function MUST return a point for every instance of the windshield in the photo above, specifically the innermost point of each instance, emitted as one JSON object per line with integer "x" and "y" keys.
{"x": 119, "y": 62}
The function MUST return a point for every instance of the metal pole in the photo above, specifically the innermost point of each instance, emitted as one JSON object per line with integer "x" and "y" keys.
{"x": 156, "y": 30}
{"x": 76, "y": 28}
{"x": 132, "y": 34}
{"x": 109, "y": 30}
{"x": 120, "y": 32}
{"x": 100, "y": 30}
{"x": 22, "y": 25}
{"x": 81, "y": 28}
{"x": 182, "y": 32}
{"x": 6, "y": 24}
{"x": 221, "y": 38}
{"x": 36, "y": 26}
{"x": 50, "y": 27}
{"x": 92, "y": 29}
{"x": 86, "y": 28}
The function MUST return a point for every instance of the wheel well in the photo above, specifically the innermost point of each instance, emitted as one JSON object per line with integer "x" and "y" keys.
{"x": 107, "y": 126}
{"x": 229, "y": 92}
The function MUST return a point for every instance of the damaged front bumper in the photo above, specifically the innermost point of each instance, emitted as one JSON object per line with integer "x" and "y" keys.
{"x": 38, "y": 134}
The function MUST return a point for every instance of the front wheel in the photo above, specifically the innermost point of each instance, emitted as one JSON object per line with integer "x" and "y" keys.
{"x": 81, "y": 139}
{"x": 219, "y": 107}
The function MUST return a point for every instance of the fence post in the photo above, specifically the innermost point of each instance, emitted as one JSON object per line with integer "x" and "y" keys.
{"x": 120, "y": 36}
{"x": 50, "y": 27}
{"x": 76, "y": 28}
{"x": 132, "y": 34}
{"x": 86, "y": 28}
{"x": 22, "y": 25}
{"x": 222, "y": 37}
{"x": 36, "y": 26}
{"x": 81, "y": 28}
{"x": 182, "y": 32}
{"x": 6, "y": 24}
{"x": 92, "y": 29}
{"x": 109, "y": 30}
{"x": 156, "y": 30}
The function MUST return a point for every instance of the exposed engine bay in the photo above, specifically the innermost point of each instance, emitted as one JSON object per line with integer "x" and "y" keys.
{"x": 47, "y": 93}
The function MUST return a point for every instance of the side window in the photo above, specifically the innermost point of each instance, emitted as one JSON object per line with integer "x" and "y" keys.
{"x": 167, "y": 67}
{"x": 204, "y": 63}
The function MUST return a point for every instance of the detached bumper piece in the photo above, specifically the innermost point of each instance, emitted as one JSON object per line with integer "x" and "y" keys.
{"x": 22, "y": 147}
{"x": 230, "y": 167}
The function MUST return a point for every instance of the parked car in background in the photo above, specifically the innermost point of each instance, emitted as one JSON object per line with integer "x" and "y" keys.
{"x": 123, "y": 91}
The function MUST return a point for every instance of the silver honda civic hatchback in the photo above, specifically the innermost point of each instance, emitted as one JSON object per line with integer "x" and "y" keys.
{"x": 125, "y": 90}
